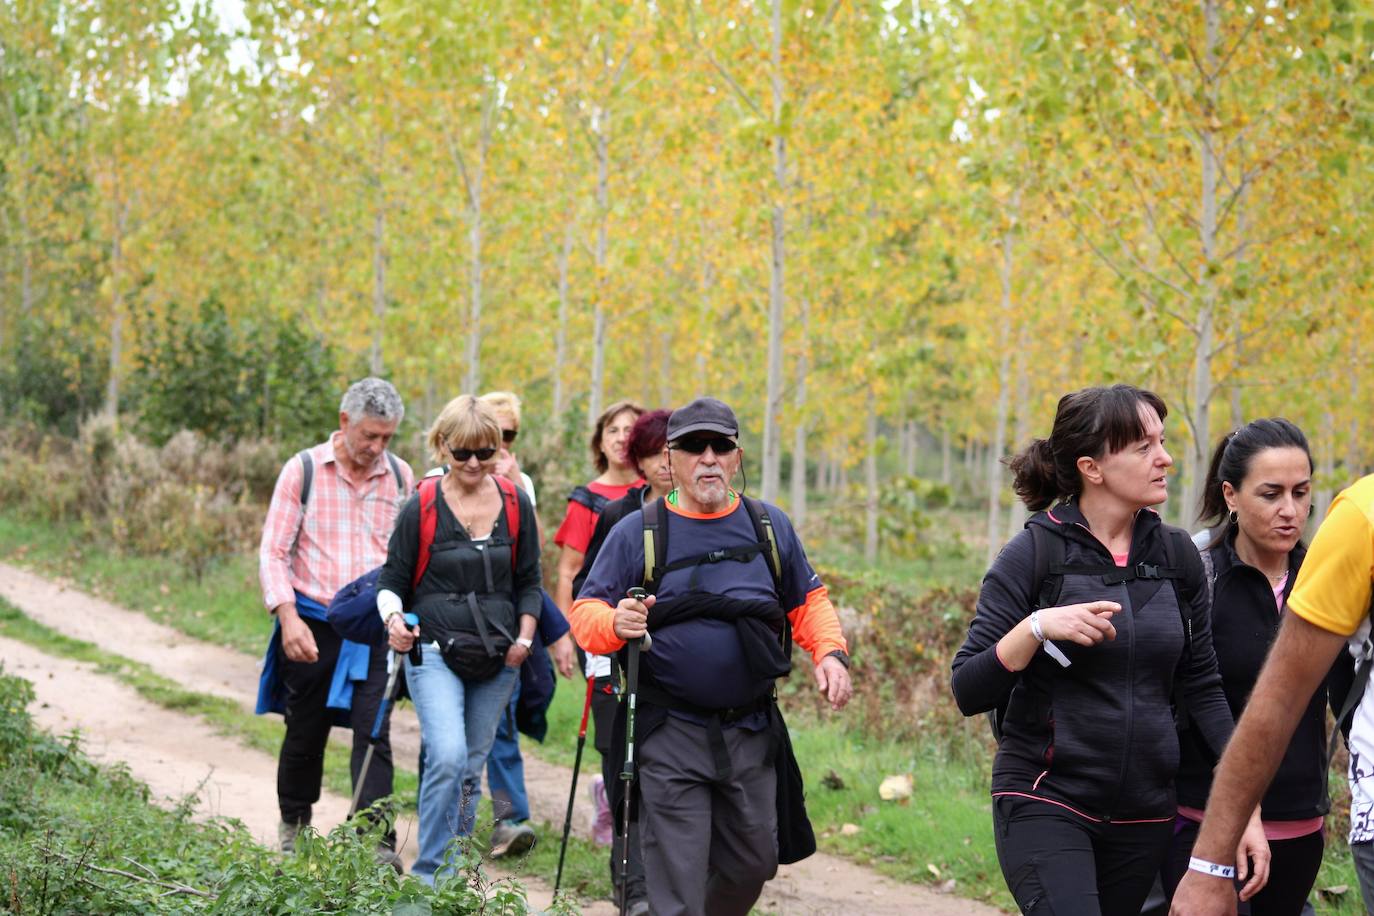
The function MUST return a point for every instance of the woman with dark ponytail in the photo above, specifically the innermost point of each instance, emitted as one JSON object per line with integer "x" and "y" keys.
{"x": 1091, "y": 629}
{"x": 1256, "y": 502}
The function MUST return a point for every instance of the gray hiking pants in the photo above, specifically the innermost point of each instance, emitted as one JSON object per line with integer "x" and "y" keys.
{"x": 709, "y": 846}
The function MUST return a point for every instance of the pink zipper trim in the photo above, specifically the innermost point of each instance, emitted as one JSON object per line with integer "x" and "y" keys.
{"x": 1086, "y": 817}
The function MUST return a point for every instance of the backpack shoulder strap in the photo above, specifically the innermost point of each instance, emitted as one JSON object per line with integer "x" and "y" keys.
{"x": 1177, "y": 545}
{"x": 429, "y": 521}
{"x": 583, "y": 496}
{"x": 1210, "y": 569}
{"x": 763, "y": 530}
{"x": 512, "y": 504}
{"x": 307, "y": 475}
{"x": 1047, "y": 565}
{"x": 655, "y": 543}
{"x": 396, "y": 472}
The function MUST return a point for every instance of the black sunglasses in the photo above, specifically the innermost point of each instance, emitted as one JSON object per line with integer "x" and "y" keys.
{"x": 461, "y": 455}
{"x": 508, "y": 435}
{"x": 719, "y": 445}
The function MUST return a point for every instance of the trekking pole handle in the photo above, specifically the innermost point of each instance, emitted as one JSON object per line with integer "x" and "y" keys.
{"x": 412, "y": 621}
{"x": 646, "y": 641}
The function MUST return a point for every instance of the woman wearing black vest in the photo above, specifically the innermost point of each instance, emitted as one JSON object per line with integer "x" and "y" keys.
{"x": 1083, "y": 779}
{"x": 1256, "y": 500}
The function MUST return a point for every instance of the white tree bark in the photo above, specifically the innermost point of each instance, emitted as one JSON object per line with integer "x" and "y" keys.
{"x": 772, "y": 453}
{"x": 560, "y": 338}
{"x": 946, "y": 456}
{"x": 1200, "y": 388}
{"x": 601, "y": 127}
{"x": 871, "y": 496}
{"x": 802, "y": 429}
{"x": 119, "y": 212}
{"x": 1016, "y": 515}
{"x": 474, "y": 188}
{"x": 999, "y": 431}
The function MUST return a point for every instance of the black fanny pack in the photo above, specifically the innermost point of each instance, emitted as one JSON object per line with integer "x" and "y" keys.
{"x": 475, "y": 653}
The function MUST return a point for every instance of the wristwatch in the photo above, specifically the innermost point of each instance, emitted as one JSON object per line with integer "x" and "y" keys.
{"x": 841, "y": 655}
{"x": 525, "y": 641}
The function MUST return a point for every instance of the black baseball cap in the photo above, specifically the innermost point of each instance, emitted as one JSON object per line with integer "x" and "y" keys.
{"x": 704, "y": 415}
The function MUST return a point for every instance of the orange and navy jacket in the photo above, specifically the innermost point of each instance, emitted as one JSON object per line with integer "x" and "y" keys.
{"x": 702, "y": 651}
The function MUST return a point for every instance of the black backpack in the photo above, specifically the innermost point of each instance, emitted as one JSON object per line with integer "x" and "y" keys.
{"x": 1050, "y": 569}
{"x": 656, "y": 545}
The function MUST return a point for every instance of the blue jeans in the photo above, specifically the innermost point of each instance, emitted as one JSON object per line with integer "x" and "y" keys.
{"x": 506, "y": 769}
{"x": 458, "y": 720}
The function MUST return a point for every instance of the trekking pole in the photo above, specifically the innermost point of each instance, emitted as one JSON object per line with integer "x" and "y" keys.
{"x": 627, "y": 773}
{"x": 572, "y": 793}
{"x": 393, "y": 662}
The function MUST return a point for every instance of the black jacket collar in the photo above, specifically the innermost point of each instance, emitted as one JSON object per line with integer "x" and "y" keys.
{"x": 1225, "y": 558}
{"x": 1067, "y": 520}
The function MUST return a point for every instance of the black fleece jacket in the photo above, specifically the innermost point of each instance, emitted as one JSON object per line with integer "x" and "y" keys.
{"x": 1099, "y": 736}
{"x": 1245, "y": 621}
{"x": 458, "y": 566}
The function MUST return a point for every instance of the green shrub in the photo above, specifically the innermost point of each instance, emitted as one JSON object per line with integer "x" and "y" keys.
{"x": 265, "y": 378}
{"x": 51, "y": 374}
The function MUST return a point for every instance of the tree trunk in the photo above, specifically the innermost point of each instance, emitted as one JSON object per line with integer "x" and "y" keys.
{"x": 772, "y": 452}
{"x": 603, "y": 209}
{"x": 475, "y": 191}
{"x": 800, "y": 431}
{"x": 1326, "y": 469}
{"x": 871, "y": 502}
{"x": 1200, "y": 386}
{"x": 560, "y": 339}
{"x": 119, "y": 215}
{"x": 999, "y": 430}
{"x": 946, "y": 456}
{"x": 1016, "y": 515}
{"x": 378, "y": 286}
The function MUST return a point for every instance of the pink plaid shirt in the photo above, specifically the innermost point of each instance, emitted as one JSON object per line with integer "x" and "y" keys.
{"x": 343, "y": 534}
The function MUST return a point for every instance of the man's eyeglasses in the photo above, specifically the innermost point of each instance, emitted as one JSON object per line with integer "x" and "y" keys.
{"x": 719, "y": 445}
{"x": 508, "y": 435}
{"x": 461, "y": 455}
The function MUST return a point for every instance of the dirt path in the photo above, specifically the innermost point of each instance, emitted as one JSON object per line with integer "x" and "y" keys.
{"x": 175, "y": 753}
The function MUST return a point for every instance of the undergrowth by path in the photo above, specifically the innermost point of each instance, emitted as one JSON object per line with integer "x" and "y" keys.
{"x": 79, "y": 838}
{"x": 585, "y": 873}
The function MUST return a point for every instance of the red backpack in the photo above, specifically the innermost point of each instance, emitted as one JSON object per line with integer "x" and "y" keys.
{"x": 429, "y": 521}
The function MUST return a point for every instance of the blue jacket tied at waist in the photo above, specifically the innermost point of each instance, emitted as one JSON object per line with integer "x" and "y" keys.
{"x": 351, "y": 666}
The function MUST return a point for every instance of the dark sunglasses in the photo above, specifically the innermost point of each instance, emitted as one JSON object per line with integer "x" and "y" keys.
{"x": 508, "y": 435}
{"x": 720, "y": 445}
{"x": 461, "y": 455}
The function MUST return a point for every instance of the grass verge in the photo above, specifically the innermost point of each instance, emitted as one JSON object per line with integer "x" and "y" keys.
{"x": 585, "y": 872}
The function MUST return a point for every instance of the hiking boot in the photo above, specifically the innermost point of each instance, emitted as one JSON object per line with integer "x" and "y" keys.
{"x": 388, "y": 856}
{"x": 511, "y": 839}
{"x": 286, "y": 835}
{"x": 638, "y": 907}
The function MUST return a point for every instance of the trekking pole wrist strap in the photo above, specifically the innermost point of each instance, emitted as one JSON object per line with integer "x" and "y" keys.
{"x": 1050, "y": 648}
{"x": 1211, "y": 868}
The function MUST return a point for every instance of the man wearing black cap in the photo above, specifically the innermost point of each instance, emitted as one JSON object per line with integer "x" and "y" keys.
{"x": 728, "y": 580}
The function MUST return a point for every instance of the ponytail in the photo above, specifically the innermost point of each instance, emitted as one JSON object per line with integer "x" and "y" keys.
{"x": 1033, "y": 475}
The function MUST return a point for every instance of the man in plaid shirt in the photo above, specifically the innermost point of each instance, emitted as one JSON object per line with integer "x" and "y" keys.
{"x": 329, "y": 522}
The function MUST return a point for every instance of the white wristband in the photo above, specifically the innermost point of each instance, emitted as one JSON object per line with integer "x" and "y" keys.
{"x": 1211, "y": 868}
{"x": 1050, "y": 648}
{"x": 524, "y": 641}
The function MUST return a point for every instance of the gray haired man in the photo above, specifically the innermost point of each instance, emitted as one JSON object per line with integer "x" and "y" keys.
{"x": 331, "y": 516}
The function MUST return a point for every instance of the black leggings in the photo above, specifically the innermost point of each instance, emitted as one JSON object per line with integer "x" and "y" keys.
{"x": 1057, "y": 862}
{"x": 1293, "y": 867}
